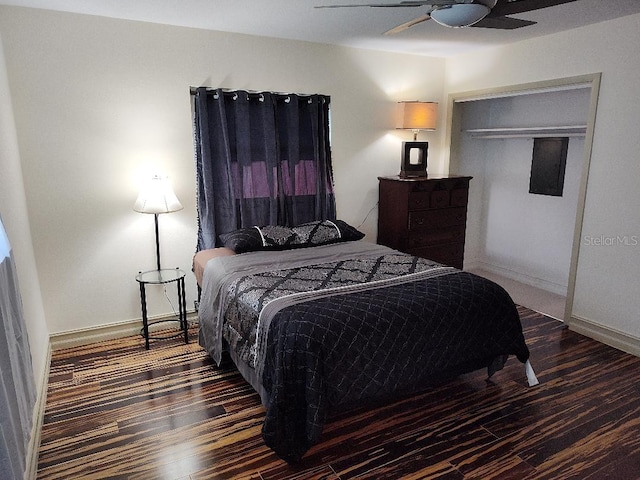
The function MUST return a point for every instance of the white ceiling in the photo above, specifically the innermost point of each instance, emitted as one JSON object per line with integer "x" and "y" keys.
{"x": 357, "y": 27}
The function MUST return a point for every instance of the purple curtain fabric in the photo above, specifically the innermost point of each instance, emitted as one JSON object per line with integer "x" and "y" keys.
{"x": 261, "y": 159}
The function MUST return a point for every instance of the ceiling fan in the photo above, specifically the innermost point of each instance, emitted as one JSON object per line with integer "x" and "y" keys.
{"x": 466, "y": 13}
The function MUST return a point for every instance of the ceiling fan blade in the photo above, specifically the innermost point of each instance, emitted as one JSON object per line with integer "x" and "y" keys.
{"x": 405, "y": 3}
{"x": 502, "y": 23}
{"x": 409, "y": 24}
{"x": 390, "y": 5}
{"x": 512, "y": 7}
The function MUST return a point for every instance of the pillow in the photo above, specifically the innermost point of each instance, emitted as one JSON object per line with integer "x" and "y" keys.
{"x": 201, "y": 258}
{"x": 347, "y": 232}
{"x": 243, "y": 240}
{"x": 275, "y": 237}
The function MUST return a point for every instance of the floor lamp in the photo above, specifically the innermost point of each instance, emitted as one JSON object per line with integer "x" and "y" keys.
{"x": 157, "y": 197}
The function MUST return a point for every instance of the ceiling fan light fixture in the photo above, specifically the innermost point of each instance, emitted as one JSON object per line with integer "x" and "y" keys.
{"x": 460, "y": 15}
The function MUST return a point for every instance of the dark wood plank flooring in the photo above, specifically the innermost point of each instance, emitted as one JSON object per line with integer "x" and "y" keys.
{"x": 115, "y": 410}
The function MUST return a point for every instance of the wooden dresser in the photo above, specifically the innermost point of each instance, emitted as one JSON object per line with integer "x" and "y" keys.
{"x": 425, "y": 217}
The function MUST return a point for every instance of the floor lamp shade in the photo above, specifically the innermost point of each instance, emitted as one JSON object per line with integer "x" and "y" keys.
{"x": 157, "y": 197}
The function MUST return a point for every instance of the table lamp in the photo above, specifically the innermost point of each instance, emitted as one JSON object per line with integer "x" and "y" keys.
{"x": 415, "y": 116}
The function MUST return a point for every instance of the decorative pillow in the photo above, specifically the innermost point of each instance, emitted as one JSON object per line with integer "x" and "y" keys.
{"x": 274, "y": 237}
{"x": 347, "y": 232}
{"x": 243, "y": 240}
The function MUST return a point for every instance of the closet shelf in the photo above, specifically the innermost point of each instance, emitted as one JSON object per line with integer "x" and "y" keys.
{"x": 528, "y": 132}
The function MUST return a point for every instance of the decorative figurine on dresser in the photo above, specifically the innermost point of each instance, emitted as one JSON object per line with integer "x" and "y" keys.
{"x": 425, "y": 216}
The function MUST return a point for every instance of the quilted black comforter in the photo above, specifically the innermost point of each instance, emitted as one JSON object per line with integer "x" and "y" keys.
{"x": 345, "y": 349}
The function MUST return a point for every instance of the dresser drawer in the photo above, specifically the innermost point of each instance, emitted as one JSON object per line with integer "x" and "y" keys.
{"x": 459, "y": 197}
{"x": 418, "y": 200}
{"x": 435, "y": 199}
{"x": 427, "y": 238}
{"x": 440, "y": 199}
{"x": 446, "y": 217}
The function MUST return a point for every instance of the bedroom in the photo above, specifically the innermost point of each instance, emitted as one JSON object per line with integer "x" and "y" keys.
{"x": 99, "y": 103}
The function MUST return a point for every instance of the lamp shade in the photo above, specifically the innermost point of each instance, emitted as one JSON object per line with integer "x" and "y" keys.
{"x": 460, "y": 15}
{"x": 157, "y": 197}
{"x": 417, "y": 115}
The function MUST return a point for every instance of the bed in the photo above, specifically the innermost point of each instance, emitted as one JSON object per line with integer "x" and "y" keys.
{"x": 318, "y": 319}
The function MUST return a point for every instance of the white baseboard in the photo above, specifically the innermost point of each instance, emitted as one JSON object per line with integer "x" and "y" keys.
{"x": 33, "y": 449}
{"x": 607, "y": 335}
{"x": 541, "y": 283}
{"x": 111, "y": 331}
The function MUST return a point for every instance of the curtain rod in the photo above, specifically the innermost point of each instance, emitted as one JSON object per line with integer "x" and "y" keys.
{"x": 192, "y": 91}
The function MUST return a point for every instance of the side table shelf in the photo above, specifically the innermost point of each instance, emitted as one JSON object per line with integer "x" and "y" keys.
{"x": 159, "y": 277}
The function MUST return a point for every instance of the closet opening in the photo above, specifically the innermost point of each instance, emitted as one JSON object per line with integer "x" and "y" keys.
{"x": 528, "y": 243}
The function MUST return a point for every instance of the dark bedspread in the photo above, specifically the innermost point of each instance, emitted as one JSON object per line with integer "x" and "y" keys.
{"x": 322, "y": 354}
{"x": 365, "y": 346}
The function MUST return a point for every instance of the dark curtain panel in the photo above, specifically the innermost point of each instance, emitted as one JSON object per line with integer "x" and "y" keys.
{"x": 261, "y": 159}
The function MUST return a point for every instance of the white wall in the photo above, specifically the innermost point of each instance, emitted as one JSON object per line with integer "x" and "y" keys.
{"x": 100, "y": 104}
{"x": 608, "y": 277}
{"x": 510, "y": 231}
{"x": 13, "y": 207}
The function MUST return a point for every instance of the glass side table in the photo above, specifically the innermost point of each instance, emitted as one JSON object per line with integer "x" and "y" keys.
{"x": 159, "y": 277}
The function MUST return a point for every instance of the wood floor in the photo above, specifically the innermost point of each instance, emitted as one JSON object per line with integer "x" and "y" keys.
{"x": 115, "y": 410}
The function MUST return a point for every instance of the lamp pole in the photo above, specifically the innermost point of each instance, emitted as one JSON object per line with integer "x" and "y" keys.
{"x": 155, "y": 216}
